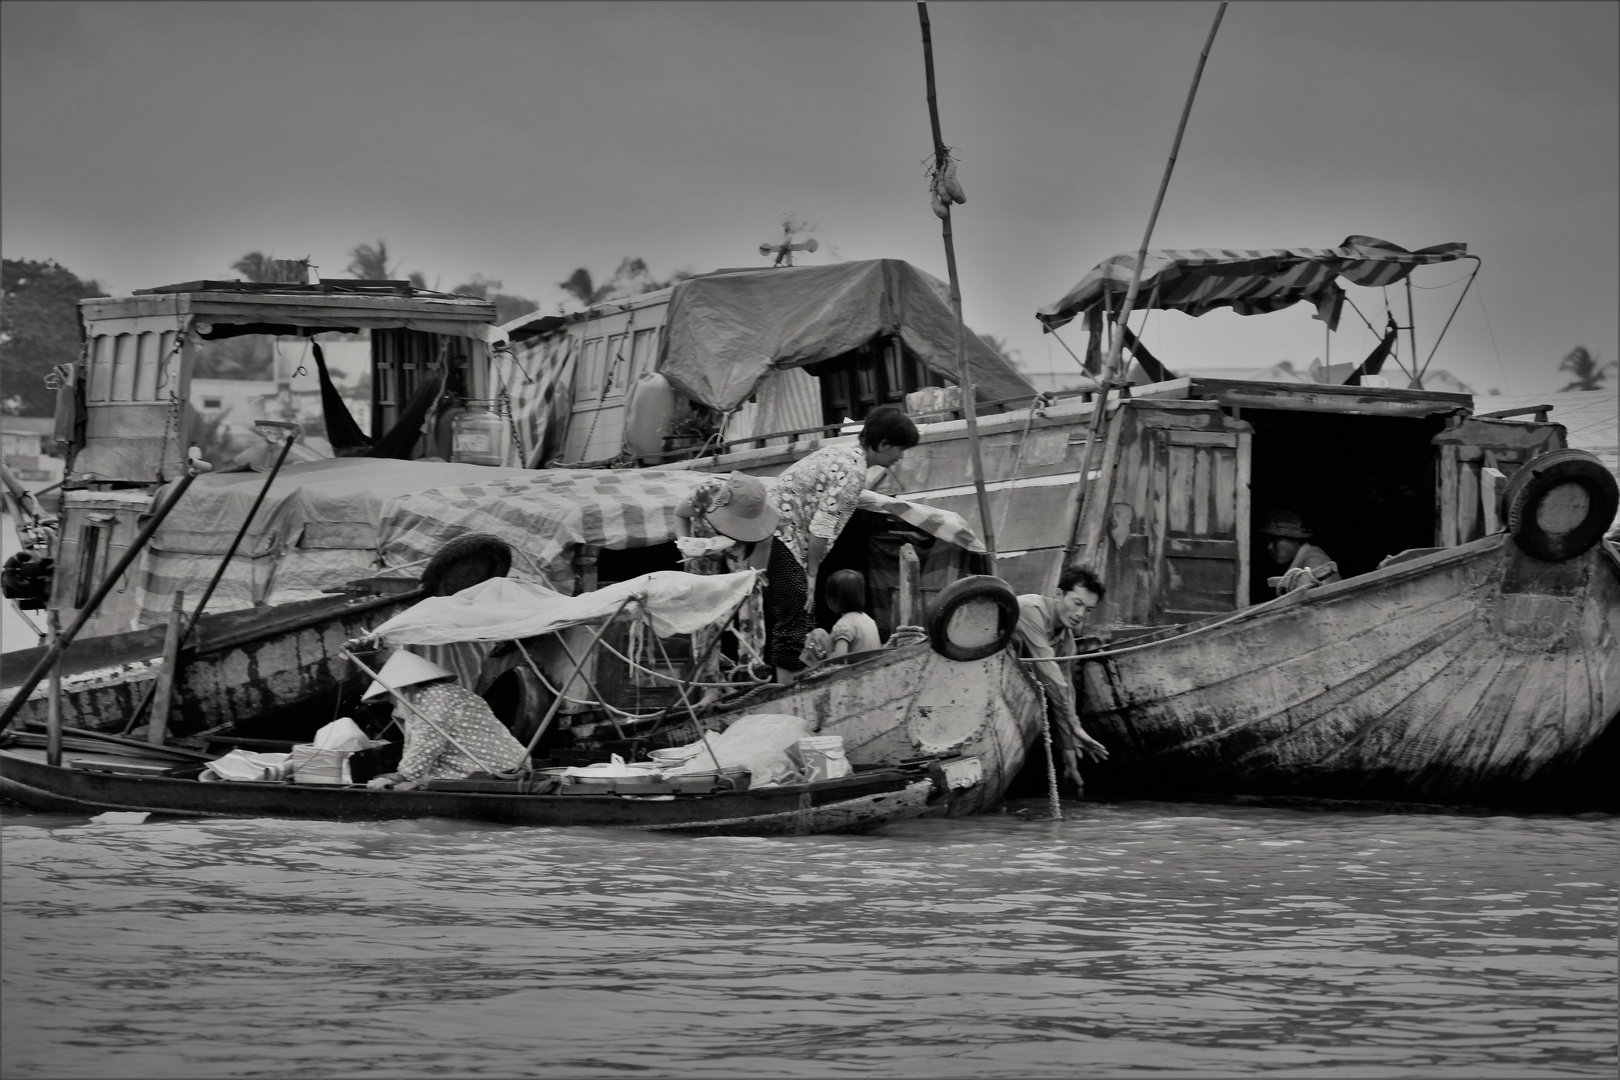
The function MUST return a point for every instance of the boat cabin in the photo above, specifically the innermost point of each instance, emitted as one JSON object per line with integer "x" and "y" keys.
{"x": 127, "y": 404}
{"x": 735, "y": 358}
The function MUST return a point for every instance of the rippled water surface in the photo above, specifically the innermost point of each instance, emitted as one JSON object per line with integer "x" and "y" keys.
{"x": 1142, "y": 937}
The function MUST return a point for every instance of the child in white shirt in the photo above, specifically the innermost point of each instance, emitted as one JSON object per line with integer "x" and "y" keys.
{"x": 855, "y": 630}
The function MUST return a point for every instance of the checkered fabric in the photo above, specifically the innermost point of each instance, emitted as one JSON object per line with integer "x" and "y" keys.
{"x": 542, "y": 515}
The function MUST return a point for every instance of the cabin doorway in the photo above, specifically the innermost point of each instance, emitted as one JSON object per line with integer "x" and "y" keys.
{"x": 1364, "y": 484}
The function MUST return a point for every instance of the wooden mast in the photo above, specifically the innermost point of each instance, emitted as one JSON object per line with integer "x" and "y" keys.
{"x": 963, "y": 375}
{"x": 1109, "y": 373}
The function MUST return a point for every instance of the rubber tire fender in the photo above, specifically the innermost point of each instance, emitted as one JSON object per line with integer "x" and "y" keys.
{"x": 464, "y": 562}
{"x": 1526, "y": 493}
{"x": 977, "y": 589}
{"x": 519, "y": 700}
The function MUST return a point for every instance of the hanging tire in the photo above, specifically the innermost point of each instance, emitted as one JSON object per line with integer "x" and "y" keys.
{"x": 972, "y": 618}
{"x": 464, "y": 562}
{"x": 1558, "y": 505}
{"x": 520, "y": 701}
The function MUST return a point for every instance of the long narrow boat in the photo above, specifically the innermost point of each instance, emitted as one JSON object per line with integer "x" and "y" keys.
{"x": 93, "y": 783}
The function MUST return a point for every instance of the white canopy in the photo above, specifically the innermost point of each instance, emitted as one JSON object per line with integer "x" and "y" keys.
{"x": 504, "y": 609}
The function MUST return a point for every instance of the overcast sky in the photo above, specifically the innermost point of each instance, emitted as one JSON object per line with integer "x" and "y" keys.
{"x": 146, "y": 143}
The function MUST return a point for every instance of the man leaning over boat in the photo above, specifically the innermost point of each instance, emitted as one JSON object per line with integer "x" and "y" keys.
{"x": 1046, "y": 629}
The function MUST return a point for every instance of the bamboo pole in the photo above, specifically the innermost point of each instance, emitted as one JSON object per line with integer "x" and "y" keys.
{"x": 577, "y": 672}
{"x": 53, "y": 654}
{"x": 1117, "y": 341}
{"x": 963, "y": 374}
{"x": 219, "y": 573}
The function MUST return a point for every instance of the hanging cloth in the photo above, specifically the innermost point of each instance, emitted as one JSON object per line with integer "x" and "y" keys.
{"x": 341, "y": 430}
{"x": 1375, "y": 359}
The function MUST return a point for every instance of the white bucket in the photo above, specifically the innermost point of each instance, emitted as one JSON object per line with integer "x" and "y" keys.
{"x": 823, "y": 757}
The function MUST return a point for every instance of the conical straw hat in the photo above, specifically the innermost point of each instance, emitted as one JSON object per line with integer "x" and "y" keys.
{"x": 403, "y": 669}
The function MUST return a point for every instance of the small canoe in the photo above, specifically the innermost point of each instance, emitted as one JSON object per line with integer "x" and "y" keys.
{"x": 91, "y": 783}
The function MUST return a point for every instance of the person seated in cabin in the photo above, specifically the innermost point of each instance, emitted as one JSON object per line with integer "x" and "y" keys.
{"x": 855, "y": 631}
{"x": 816, "y": 496}
{"x": 1307, "y": 565}
{"x": 450, "y": 732}
{"x": 1046, "y": 629}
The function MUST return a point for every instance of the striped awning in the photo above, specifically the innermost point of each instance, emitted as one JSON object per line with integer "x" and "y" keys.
{"x": 1197, "y": 280}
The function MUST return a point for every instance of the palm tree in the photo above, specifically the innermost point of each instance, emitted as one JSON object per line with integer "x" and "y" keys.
{"x": 371, "y": 263}
{"x": 1583, "y": 364}
{"x": 254, "y": 266}
{"x": 631, "y": 279}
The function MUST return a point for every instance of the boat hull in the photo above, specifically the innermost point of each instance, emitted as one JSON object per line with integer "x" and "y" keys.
{"x": 1471, "y": 676}
{"x": 903, "y": 704}
{"x": 264, "y": 663}
{"x": 855, "y": 804}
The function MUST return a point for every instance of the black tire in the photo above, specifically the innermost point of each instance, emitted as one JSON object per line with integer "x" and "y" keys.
{"x": 1558, "y": 505}
{"x": 958, "y": 623}
{"x": 520, "y": 701}
{"x": 464, "y": 562}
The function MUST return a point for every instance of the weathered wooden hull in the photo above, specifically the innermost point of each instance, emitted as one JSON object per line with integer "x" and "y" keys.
{"x": 1474, "y": 675}
{"x": 855, "y": 804}
{"x": 260, "y": 663}
{"x": 908, "y": 703}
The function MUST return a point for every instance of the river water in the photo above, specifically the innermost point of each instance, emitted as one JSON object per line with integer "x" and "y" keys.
{"x": 1201, "y": 940}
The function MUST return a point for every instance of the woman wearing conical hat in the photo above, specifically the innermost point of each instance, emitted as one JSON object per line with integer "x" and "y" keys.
{"x": 450, "y": 732}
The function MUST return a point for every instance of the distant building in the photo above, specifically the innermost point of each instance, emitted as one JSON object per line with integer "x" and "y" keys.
{"x": 29, "y": 449}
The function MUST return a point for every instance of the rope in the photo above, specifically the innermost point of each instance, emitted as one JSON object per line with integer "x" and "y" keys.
{"x": 1104, "y": 654}
{"x": 1051, "y": 757}
{"x": 660, "y": 675}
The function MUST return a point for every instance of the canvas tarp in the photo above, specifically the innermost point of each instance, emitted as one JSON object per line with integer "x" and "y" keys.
{"x": 1197, "y": 280}
{"x": 326, "y": 523}
{"x": 503, "y": 609}
{"x": 726, "y": 331}
{"x": 316, "y": 529}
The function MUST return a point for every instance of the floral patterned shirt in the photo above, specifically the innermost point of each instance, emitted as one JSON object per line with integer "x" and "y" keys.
{"x": 817, "y": 496}
{"x": 429, "y": 755}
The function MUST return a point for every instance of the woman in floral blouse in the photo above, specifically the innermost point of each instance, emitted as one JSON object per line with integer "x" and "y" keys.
{"x": 815, "y": 498}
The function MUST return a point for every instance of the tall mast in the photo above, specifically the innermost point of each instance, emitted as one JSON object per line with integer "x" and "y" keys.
{"x": 946, "y": 191}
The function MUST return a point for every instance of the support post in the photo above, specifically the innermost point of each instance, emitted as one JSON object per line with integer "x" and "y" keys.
{"x": 158, "y": 729}
{"x": 53, "y": 715}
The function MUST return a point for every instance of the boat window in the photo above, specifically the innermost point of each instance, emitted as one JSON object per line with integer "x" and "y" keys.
{"x": 877, "y": 373}
{"x": 1365, "y": 485}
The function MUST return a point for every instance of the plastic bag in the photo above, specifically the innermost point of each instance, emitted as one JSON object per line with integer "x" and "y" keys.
{"x": 762, "y": 743}
{"x": 343, "y": 734}
{"x": 244, "y": 765}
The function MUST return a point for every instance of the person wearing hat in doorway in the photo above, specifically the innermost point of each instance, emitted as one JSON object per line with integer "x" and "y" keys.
{"x": 1307, "y": 565}
{"x": 450, "y": 732}
{"x": 726, "y": 526}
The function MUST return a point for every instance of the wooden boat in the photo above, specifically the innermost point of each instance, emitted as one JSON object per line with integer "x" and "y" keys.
{"x": 1473, "y": 675}
{"x": 1161, "y": 491}
{"x": 90, "y": 782}
{"x": 897, "y": 705}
